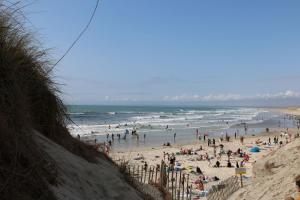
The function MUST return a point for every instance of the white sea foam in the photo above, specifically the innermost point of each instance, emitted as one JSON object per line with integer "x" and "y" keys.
{"x": 177, "y": 120}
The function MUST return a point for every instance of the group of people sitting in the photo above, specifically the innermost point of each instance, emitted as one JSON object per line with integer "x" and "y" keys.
{"x": 218, "y": 164}
{"x": 168, "y": 144}
{"x": 184, "y": 151}
{"x": 239, "y": 153}
{"x": 139, "y": 157}
{"x": 203, "y": 179}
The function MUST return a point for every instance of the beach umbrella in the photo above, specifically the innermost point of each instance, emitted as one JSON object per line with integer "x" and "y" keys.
{"x": 255, "y": 149}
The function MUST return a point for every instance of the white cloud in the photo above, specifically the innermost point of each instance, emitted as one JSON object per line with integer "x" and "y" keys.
{"x": 221, "y": 97}
{"x": 232, "y": 97}
{"x": 111, "y": 99}
{"x": 280, "y": 95}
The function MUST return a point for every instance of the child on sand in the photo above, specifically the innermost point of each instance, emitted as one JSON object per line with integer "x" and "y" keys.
{"x": 200, "y": 185}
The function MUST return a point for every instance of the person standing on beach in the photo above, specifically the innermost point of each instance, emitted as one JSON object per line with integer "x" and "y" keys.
{"x": 218, "y": 164}
{"x": 237, "y": 164}
{"x": 234, "y": 135}
{"x": 172, "y": 161}
{"x": 215, "y": 151}
{"x": 208, "y": 159}
{"x": 242, "y": 140}
{"x": 245, "y": 128}
{"x": 229, "y": 154}
{"x": 174, "y": 136}
{"x": 144, "y": 137}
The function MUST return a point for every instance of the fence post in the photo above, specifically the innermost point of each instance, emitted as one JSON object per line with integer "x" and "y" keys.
{"x": 142, "y": 174}
{"x": 152, "y": 174}
{"x": 187, "y": 185}
{"x": 179, "y": 185}
{"x": 161, "y": 171}
{"x": 172, "y": 183}
{"x": 176, "y": 173}
{"x": 133, "y": 172}
{"x": 138, "y": 172}
{"x": 145, "y": 174}
{"x": 183, "y": 177}
{"x": 168, "y": 179}
{"x": 156, "y": 171}
{"x": 149, "y": 175}
{"x": 241, "y": 180}
{"x": 191, "y": 191}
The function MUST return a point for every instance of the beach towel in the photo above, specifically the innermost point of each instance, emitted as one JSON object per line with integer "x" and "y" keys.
{"x": 178, "y": 168}
{"x": 201, "y": 193}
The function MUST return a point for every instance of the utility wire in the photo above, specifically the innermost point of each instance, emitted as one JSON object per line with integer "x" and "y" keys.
{"x": 81, "y": 33}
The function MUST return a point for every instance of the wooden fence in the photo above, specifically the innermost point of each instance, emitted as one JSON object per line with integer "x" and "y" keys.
{"x": 224, "y": 189}
{"x": 176, "y": 183}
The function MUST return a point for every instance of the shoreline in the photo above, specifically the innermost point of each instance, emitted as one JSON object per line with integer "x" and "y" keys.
{"x": 183, "y": 143}
{"x": 283, "y": 110}
{"x": 293, "y": 110}
{"x": 188, "y": 136}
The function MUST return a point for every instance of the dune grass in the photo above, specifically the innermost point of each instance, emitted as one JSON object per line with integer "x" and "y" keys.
{"x": 29, "y": 102}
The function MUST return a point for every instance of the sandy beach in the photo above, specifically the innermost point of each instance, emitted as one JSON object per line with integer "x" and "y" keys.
{"x": 153, "y": 156}
{"x": 290, "y": 110}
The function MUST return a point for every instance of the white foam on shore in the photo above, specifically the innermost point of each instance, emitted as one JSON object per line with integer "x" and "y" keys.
{"x": 184, "y": 119}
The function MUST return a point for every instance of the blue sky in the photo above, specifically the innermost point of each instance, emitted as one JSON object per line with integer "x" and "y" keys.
{"x": 169, "y": 50}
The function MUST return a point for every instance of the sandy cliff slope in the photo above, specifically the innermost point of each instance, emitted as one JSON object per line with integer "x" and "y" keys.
{"x": 274, "y": 175}
{"x": 81, "y": 180}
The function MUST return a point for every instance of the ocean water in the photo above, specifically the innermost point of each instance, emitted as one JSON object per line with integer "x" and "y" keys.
{"x": 159, "y": 123}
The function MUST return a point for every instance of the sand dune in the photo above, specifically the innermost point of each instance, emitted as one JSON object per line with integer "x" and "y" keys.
{"x": 83, "y": 180}
{"x": 273, "y": 175}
